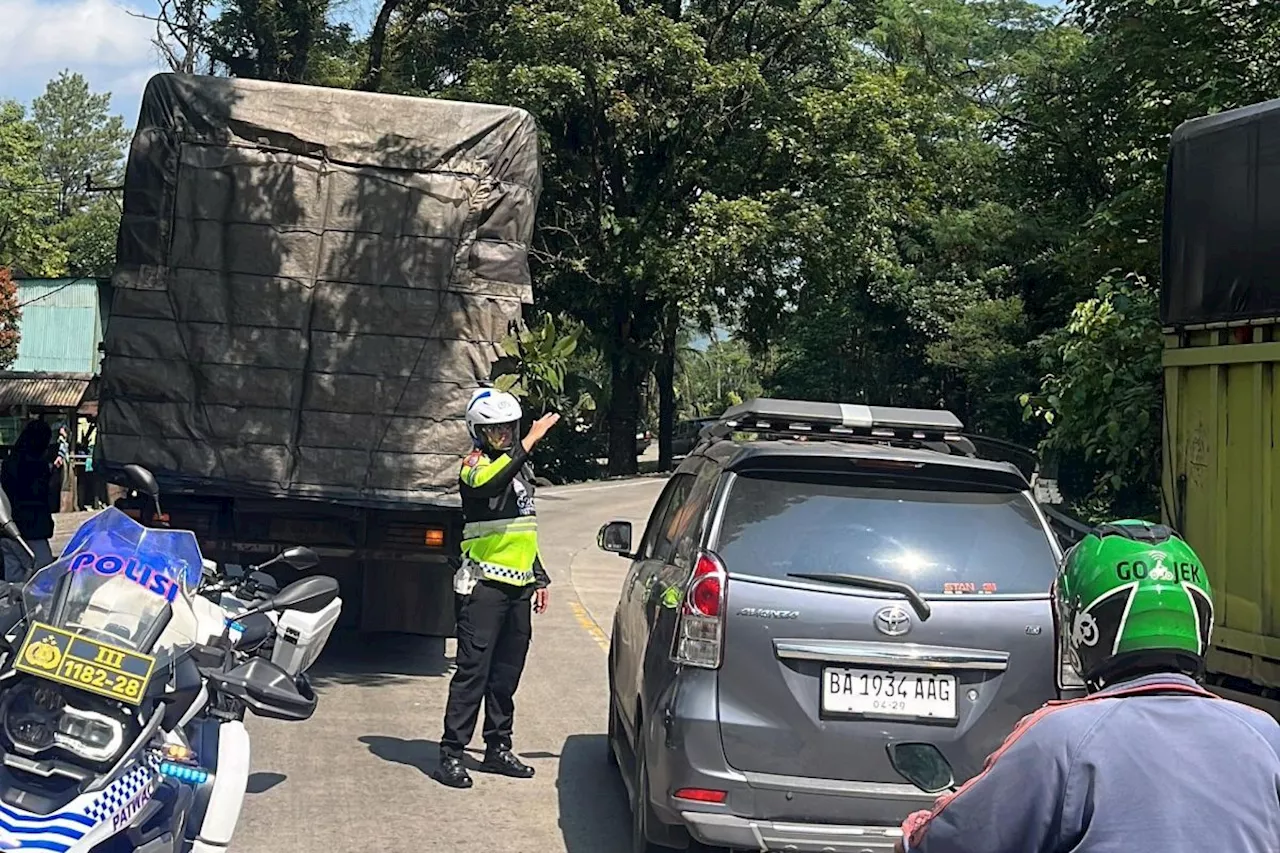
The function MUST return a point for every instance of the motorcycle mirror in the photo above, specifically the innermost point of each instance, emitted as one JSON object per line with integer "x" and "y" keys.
{"x": 6, "y": 511}
{"x": 923, "y": 765}
{"x": 309, "y": 595}
{"x": 142, "y": 480}
{"x": 9, "y": 527}
{"x": 301, "y": 557}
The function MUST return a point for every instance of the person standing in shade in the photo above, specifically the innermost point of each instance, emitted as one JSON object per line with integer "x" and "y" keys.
{"x": 28, "y": 478}
{"x": 500, "y": 581}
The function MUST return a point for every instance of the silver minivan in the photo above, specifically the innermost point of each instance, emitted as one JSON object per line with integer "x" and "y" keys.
{"x": 818, "y": 581}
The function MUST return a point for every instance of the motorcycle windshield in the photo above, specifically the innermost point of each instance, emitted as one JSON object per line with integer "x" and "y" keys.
{"x": 120, "y": 583}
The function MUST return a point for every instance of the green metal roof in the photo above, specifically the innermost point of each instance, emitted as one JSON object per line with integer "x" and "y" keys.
{"x": 61, "y": 325}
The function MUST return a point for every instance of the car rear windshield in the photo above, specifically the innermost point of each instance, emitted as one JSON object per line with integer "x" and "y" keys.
{"x": 939, "y": 541}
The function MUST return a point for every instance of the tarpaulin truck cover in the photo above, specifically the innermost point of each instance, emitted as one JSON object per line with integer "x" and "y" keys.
{"x": 309, "y": 285}
{"x": 1222, "y": 218}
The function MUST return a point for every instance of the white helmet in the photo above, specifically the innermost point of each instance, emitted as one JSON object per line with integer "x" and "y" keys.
{"x": 491, "y": 407}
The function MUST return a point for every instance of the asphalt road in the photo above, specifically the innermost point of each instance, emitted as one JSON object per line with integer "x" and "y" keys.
{"x": 356, "y": 776}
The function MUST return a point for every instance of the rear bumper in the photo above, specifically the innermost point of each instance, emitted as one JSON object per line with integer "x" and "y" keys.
{"x": 742, "y": 833}
{"x": 761, "y": 811}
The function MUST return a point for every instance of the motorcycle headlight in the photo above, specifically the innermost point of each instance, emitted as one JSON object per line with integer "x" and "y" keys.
{"x": 89, "y": 734}
{"x": 37, "y": 717}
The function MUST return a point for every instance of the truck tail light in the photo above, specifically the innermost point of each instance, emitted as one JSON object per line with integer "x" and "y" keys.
{"x": 434, "y": 537}
{"x": 700, "y": 634}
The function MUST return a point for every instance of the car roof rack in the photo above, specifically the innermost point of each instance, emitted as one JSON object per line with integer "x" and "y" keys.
{"x": 769, "y": 418}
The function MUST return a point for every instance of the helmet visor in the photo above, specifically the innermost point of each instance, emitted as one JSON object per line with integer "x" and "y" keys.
{"x": 497, "y": 436}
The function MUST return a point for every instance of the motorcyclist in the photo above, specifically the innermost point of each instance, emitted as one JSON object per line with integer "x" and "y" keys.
{"x": 1148, "y": 760}
{"x": 500, "y": 577}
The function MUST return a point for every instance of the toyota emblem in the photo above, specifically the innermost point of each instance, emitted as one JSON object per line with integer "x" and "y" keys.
{"x": 892, "y": 621}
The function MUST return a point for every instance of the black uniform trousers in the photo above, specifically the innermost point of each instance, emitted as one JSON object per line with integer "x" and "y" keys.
{"x": 494, "y": 630}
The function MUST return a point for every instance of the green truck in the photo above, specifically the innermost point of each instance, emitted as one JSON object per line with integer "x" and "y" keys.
{"x": 1220, "y": 309}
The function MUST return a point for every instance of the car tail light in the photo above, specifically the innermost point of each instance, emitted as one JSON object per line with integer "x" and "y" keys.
{"x": 700, "y": 635}
{"x": 1068, "y": 678}
{"x": 434, "y": 537}
{"x": 700, "y": 795}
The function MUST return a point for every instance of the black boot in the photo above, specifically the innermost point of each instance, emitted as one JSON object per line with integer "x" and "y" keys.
{"x": 504, "y": 762}
{"x": 453, "y": 773}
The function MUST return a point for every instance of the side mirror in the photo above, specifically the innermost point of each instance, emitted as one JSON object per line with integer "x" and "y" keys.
{"x": 310, "y": 595}
{"x": 9, "y": 527}
{"x": 142, "y": 480}
{"x": 301, "y": 557}
{"x": 923, "y": 765}
{"x": 145, "y": 483}
{"x": 615, "y": 537}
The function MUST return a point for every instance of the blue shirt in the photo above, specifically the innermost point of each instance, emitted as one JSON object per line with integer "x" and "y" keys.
{"x": 1173, "y": 773}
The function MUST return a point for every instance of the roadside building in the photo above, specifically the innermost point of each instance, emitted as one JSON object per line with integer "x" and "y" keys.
{"x": 55, "y": 374}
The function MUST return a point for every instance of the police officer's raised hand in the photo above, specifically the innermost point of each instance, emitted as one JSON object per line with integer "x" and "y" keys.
{"x": 539, "y": 430}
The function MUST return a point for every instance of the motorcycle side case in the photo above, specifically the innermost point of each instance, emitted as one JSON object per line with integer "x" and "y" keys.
{"x": 300, "y": 637}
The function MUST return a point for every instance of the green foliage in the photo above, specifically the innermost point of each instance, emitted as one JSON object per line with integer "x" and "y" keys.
{"x": 89, "y": 236}
{"x": 49, "y": 224}
{"x": 78, "y": 137}
{"x": 1102, "y": 397}
{"x": 28, "y": 204}
{"x": 271, "y": 39}
{"x": 542, "y": 357}
{"x": 985, "y": 349}
{"x": 712, "y": 380}
{"x": 549, "y": 375}
{"x": 900, "y": 201}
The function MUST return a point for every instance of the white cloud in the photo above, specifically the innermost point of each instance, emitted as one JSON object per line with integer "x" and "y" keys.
{"x": 97, "y": 38}
{"x": 94, "y": 32}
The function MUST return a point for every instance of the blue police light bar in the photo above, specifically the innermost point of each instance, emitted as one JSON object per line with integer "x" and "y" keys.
{"x": 836, "y": 418}
{"x": 183, "y": 773}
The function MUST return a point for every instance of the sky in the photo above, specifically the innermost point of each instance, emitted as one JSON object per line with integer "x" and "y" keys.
{"x": 98, "y": 38}
{"x": 104, "y": 42}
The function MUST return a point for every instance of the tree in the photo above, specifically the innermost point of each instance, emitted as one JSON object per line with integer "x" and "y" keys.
{"x": 646, "y": 108}
{"x": 89, "y": 236}
{"x": 10, "y": 314}
{"x": 28, "y": 204}
{"x": 268, "y": 39}
{"x": 78, "y": 138}
{"x": 1095, "y": 118}
{"x": 711, "y": 380}
{"x": 1102, "y": 398}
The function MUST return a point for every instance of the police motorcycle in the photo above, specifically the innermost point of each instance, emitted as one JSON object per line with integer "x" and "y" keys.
{"x": 229, "y": 598}
{"x": 121, "y": 714}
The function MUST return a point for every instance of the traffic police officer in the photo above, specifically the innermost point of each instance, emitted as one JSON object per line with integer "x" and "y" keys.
{"x": 500, "y": 578}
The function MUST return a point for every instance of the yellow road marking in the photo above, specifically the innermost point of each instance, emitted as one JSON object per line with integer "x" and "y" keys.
{"x": 589, "y": 625}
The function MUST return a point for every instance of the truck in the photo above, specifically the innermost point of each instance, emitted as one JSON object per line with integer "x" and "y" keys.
{"x": 1220, "y": 314}
{"x": 310, "y": 284}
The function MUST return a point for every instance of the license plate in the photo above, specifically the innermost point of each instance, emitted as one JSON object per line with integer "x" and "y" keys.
{"x": 78, "y": 661}
{"x": 878, "y": 693}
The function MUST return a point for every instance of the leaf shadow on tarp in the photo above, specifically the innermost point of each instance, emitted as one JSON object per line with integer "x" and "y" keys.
{"x": 279, "y": 318}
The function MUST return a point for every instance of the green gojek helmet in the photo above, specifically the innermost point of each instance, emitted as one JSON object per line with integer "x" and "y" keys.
{"x": 1132, "y": 598}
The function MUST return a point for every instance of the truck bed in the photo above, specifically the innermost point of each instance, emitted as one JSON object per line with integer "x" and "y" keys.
{"x": 1220, "y": 305}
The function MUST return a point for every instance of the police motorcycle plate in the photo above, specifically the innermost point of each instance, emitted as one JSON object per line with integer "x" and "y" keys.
{"x": 78, "y": 661}
{"x": 883, "y": 693}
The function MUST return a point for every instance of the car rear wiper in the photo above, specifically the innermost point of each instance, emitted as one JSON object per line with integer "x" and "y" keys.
{"x": 918, "y": 604}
